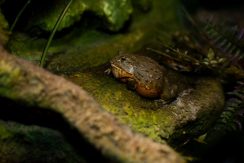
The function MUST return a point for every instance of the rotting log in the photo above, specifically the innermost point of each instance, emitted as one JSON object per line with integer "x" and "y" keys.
{"x": 24, "y": 82}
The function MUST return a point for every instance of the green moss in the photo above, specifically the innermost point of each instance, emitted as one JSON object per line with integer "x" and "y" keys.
{"x": 116, "y": 13}
{"x": 3, "y": 22}
{"x": 9, "y": 76}
{"x": 4, "y": 133}
{"x": 47, "y": 19}
{"x": 113, "y": 12}
{"x": 152, "y": 117}
{"x": 4, "y": 34}
{"x": 145, "y": 116}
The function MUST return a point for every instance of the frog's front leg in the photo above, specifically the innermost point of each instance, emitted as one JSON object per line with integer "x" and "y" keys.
{"x": 131, "y": 84}
{"x": 169, "y": 93}
{"x": 108, "y": 71}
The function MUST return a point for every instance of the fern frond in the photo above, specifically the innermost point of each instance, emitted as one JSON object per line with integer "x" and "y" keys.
{"x": 228, "y": 40}
{"x": 231, "y": 119}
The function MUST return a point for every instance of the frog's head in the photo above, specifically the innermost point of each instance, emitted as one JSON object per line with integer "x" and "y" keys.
{"x": 122, "y": 67}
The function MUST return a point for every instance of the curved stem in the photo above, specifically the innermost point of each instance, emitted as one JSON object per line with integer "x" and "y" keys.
{"x": 61, "y": 16}
{"x": 19, "y": 14}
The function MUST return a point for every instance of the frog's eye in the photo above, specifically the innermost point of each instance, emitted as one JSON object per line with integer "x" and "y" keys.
{"x": 123, "y": 59}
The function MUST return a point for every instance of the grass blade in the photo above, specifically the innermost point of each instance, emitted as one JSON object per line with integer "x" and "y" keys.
{"x": 19, "y": 14}
{"x": 61, "y": 16}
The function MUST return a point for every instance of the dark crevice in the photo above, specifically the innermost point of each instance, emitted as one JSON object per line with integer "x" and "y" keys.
{"x": 20, "y": 113}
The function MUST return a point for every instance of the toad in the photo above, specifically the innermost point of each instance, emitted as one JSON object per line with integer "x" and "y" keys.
{"x": 144, "y": 75}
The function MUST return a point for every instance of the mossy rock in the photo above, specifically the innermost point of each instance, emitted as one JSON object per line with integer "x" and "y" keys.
{"x": 191, "y": 114}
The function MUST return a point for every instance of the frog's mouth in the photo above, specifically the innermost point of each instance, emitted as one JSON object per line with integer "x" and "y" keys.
{"x": 120, "y": 73}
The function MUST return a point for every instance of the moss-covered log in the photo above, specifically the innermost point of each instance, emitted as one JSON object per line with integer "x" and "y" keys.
{"x": 23, "y": 82}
